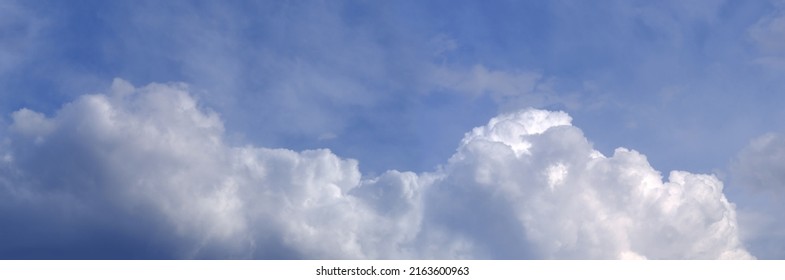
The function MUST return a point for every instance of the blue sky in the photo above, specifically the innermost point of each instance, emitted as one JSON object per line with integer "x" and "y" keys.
{"x": 389, "y": 86}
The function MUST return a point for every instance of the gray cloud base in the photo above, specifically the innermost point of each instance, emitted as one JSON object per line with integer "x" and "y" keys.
{"x": 145, "y": 173}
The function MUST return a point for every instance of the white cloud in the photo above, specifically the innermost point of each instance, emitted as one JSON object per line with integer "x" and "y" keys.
{"x": 153, "y": 150}
{"x": 151, "y": 163}
{"x": 604, "y": 207}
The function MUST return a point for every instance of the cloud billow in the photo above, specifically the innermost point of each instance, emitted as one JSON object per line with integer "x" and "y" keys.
{"x": 145, "y": 173}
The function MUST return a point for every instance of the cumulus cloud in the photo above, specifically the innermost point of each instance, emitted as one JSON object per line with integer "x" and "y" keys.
{"x": 145, "y": 172}
{"x": 152, "y": 156}
{"x": 546, "y": 187}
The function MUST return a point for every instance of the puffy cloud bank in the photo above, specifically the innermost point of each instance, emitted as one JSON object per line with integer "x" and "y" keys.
{"x": 145, "y": 173}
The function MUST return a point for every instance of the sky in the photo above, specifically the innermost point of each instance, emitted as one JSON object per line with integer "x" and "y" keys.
{"x": 392, "y": 130}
